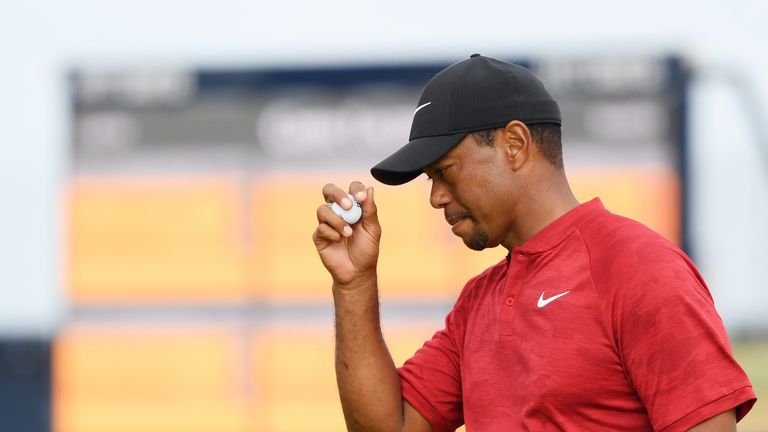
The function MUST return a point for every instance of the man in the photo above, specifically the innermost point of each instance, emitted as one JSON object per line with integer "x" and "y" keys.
{"x": 593, "y": 322}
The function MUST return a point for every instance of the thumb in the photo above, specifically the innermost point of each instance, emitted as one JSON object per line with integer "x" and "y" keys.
{"x": 370, "y": 214}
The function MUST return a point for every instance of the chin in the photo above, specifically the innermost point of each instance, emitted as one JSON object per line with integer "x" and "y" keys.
{"x": 474, "y": 246}
{"x": 478, "y": 241}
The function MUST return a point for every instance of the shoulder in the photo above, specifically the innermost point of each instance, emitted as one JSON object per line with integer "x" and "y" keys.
{"x": 610, "y": 234}
{"x": 646, "y": 285}
{"x": 624, "y": 253}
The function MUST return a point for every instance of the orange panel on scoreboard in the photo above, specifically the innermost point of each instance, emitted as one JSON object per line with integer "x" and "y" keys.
{"x": 156, "y": 239}
{"x": 147, "y": 380}
{"x": 294, "y": 373}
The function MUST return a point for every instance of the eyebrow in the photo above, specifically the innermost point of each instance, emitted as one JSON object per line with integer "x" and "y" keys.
{"x": 430, "y": 168}
{"x": 437, "y": 164}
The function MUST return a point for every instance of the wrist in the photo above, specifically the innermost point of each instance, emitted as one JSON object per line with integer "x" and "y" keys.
{"x": 356, "y": 304}
{"x": 363, "y": 283}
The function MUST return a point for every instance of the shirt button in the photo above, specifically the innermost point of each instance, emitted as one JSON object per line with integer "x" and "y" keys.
{"x": 509, "y": 301}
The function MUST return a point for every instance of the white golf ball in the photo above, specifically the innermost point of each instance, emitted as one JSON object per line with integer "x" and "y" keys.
{"x": 350, "y": 216}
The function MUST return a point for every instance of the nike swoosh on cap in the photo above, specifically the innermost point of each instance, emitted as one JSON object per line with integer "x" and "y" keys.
{"x": 420, "y": 107}
{"x": 543, "y": 302}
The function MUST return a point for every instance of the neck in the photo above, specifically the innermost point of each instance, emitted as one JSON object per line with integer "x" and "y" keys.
{"x": 539, "y": 206}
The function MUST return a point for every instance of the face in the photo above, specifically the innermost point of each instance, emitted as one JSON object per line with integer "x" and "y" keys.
{"x": 470, "y": 184}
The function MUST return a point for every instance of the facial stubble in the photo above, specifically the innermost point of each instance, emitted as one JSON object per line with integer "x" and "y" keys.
{"x": 479, "y": 238}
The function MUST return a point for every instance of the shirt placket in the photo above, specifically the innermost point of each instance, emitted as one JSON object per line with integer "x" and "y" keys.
{"x": 513, "y": 286}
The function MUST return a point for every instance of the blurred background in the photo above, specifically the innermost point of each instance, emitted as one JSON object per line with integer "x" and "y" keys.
{"x": 162, "y": 162}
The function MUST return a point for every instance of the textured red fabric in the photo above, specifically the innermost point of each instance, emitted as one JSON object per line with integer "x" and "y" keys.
{"x": 596, "y": 323}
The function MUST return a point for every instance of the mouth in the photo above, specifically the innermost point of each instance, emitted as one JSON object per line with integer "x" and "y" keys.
{"x": 453, "y": 220}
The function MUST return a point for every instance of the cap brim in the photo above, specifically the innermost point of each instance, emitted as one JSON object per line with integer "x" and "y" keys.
{"x": 410, "y": 160}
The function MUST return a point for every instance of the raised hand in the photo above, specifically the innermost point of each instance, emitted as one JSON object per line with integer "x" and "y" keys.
{"x": 349, "y": 253}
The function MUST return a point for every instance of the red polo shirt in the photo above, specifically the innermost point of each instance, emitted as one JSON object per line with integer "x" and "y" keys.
{"x": 596, "y": 323}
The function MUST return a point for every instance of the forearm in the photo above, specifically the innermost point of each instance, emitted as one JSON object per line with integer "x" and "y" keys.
{"x": 368, "y": 383}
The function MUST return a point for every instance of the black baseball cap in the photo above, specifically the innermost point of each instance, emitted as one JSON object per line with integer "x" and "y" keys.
{"x": 474, "y": 94}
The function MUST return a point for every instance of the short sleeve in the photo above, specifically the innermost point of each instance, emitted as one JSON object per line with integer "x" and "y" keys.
{"x": 431, "y": 380}
{"x": 674, "y": 346}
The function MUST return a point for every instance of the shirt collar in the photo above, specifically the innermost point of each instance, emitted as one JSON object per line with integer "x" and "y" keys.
{"x": 557, "y": 231}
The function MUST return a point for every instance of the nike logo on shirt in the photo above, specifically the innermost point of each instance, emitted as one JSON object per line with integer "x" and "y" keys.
{"x": 543, "y": 302}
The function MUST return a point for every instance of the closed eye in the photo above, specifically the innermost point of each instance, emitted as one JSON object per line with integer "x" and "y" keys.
{"x": 438, "y": 172}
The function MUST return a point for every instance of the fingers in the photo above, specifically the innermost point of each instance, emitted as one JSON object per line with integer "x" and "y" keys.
{"x": 363, "y": 195}
{"x": 326, "y": 217}
{"x": 333, "y": 193}
{"x": 357, "y": 190}
{"x": 325, "y": 233}
{"x": 370, "y": 214}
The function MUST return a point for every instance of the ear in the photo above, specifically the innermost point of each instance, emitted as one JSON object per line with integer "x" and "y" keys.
{"x": 515, "y": 140}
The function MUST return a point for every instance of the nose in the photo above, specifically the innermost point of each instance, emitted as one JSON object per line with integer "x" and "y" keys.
{"x": 439, "y": 196}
